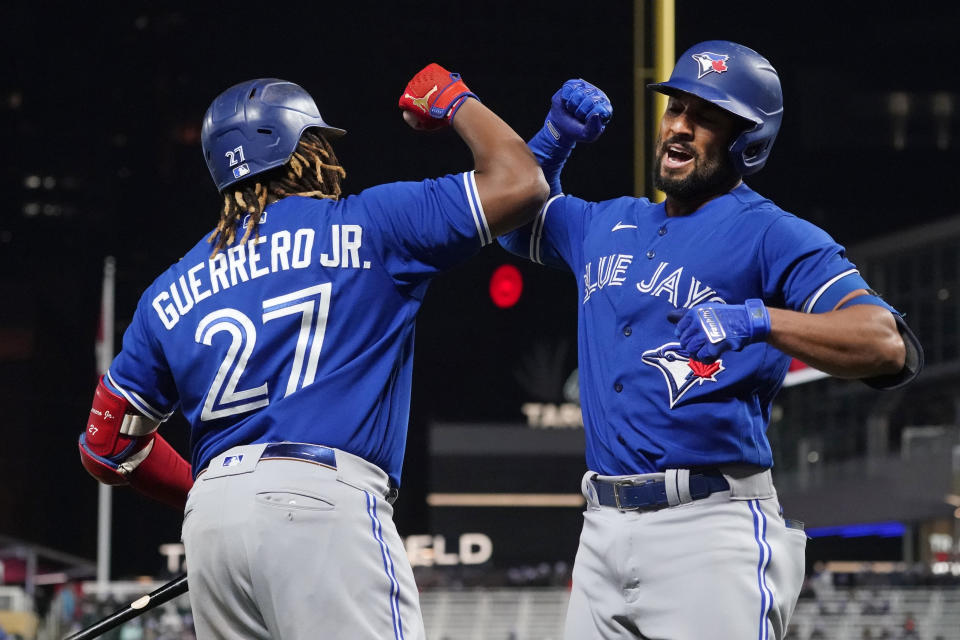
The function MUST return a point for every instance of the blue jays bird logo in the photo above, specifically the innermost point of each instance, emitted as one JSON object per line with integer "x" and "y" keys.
{"x": 711, "y": 62}
{"x": 679, "y": 370}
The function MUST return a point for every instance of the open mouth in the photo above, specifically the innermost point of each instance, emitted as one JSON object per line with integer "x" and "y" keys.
{"x": 676, "y": 157}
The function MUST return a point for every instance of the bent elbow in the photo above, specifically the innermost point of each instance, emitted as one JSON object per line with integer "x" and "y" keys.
{"x": 513, "y": 195}
{"x": 529, "y": 193}
{"x": 522, "y": 177}
{"x": 896, "y": 353}
{"x": 536, "y": 191}
{"x": 890, "y": 355}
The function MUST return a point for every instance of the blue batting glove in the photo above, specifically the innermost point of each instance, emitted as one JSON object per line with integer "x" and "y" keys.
{"x": 707, "y": 330}
{"x": 579, "y": 112}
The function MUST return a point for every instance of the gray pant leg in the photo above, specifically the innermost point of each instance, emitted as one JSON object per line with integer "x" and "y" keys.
{"x": 731, "y": 569}
{"x": 301, "y": 551}
{"x": 715, "y": 568}
{"x": 220, "y": 590}
{"x": 339, "y": 572}
{"x": 596, "y": 608}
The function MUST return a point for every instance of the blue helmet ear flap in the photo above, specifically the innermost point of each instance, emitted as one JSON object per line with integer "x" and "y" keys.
{"x": 255, "y": 126}
{"x": 751, "y": 149}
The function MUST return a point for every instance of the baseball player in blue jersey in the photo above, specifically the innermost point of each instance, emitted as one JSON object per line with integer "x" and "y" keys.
{"x": 286, "y": 339}
{"x": 689, "y": 313}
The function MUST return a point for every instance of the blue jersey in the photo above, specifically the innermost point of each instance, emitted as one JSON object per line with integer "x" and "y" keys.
{"x": 646, "y": 406}
{"x": 305, "y": 333}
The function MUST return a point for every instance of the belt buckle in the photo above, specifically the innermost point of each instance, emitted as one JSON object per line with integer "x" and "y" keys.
{"x": 616, "y": 494}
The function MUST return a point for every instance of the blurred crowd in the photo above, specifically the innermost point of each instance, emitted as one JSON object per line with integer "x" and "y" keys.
{"x": 860, "y": 605}
{"x": 75, "y": 611}
{"x": 867, "y": 605}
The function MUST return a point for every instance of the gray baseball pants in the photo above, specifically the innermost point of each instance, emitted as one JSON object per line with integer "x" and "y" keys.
{"x": 286, "y": 549}
{"x": 725, "y": 567}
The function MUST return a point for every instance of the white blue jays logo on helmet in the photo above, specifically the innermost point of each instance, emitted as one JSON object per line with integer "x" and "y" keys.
{"x": 711, "y": 62}
{"x": 680, "y": 370}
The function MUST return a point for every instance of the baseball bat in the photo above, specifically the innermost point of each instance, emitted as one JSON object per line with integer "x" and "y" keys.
{"x": 169, "y": 591}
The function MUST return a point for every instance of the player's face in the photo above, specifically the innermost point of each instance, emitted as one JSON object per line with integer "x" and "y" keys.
{"x": 691, "y": 149}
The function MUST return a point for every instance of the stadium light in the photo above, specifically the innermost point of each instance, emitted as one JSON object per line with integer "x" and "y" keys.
{"x": 506, "y": 285}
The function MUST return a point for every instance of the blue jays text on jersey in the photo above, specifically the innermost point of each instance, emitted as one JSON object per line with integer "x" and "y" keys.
{"x": 647, "y": 406}
{"x": 304, "y": 333}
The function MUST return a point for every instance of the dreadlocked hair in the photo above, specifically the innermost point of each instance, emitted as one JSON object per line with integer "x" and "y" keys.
{"x": 312, "y": 171}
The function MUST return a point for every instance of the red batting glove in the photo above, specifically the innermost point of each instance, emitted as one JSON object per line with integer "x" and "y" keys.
{"x": 434, "y": 95}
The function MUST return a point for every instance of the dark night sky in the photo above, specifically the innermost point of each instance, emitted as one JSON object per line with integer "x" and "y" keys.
{"x": 114, "y": 102}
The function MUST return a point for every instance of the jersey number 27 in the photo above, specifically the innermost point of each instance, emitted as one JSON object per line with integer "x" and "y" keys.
{"x": 224, "y": 399}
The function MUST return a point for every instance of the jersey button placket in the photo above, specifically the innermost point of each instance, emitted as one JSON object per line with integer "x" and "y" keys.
{"x": 661, "y": 231}
{"x": 627, "y": 331}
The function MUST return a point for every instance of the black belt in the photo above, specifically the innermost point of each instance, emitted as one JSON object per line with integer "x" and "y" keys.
{"x": 651, "y": 495}
{"x": 300, "y": 451}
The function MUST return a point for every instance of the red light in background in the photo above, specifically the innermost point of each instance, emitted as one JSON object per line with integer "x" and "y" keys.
{"x": 506, "y": 285}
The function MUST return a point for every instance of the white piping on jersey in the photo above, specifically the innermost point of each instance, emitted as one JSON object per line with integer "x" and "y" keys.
{"x": 536, "y": 233}
{"x": 476, "y": 208}
{"x": 141, "y": 405}
{"x": 808, "y": 307}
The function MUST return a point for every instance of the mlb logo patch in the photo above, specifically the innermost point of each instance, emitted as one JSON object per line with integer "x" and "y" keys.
{"x": 246, "y": 219}
{"x": 232, "y": 461}
{"x": 242, "y": 170}
{"x": 711, "y": 63}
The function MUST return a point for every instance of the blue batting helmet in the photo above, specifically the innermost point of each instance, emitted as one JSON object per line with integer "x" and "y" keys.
{"x": 740, "y": 81}
{"x": 255, "y": 126}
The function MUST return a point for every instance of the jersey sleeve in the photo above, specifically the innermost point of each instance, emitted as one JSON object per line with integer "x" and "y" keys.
{"x": 555, "y": 237}
{"x": 426, "y": 227}
{"x": 816, "y": 276}
{"x": 800, "y": 263}
{"x": 140, "y": 372}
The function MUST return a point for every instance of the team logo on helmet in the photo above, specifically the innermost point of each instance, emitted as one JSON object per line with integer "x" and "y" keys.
{"x": 711, "y": 62}
{"x": 680, "y": 370}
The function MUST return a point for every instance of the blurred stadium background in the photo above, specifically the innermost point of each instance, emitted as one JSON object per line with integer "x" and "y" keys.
{"x": 100, "y": 114}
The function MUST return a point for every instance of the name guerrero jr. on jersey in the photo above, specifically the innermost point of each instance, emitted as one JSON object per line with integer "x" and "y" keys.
{"x": 281, "y": 250}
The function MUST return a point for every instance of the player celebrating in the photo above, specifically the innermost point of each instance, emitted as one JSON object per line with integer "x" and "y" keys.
{"x": 286, "y": 338}
{"x": 689, "y": 313}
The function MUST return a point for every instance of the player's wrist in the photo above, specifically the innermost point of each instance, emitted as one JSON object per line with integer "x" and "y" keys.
{"x": 557, "y": 134}
{"x": 550, "y": 143}
{"x": 758, "y": 318}
{"x": 551, "y": 156}
{"x": 458, "y": 102}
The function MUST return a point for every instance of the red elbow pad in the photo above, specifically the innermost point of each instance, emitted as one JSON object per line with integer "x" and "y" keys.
{"x": 120, "y": 446}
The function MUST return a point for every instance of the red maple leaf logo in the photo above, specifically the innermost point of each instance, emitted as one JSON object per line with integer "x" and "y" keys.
{"x": 702, "y": 369}
{"x": 719, "y": 66}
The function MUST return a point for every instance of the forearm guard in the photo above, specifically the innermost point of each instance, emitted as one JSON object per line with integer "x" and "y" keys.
{"x": 119, "y": 446}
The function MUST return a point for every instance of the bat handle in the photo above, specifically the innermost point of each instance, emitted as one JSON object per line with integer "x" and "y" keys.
{"x": 165, "y": 593}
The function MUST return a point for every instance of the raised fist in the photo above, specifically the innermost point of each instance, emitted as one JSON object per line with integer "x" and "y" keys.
{"x": 432, "y": 97}
{"x": 579, "y": 112}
